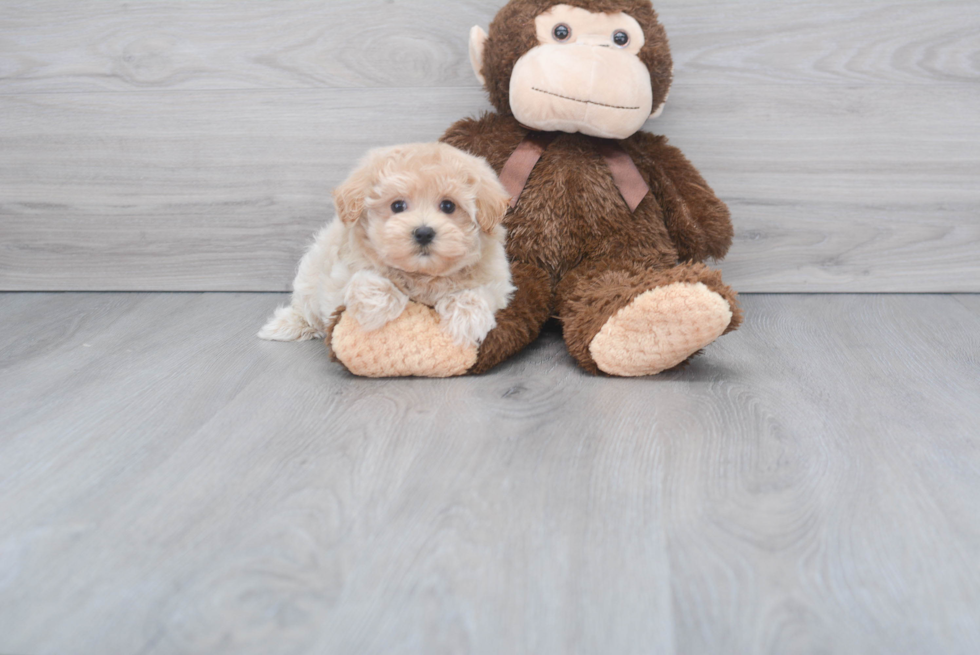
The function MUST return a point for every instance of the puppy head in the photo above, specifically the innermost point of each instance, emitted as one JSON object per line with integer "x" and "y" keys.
{"x": 422, "y": 208}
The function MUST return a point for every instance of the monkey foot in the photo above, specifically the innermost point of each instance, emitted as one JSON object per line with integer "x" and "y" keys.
{"x": 412, "y": 345}
{"x": 660, "y": 329}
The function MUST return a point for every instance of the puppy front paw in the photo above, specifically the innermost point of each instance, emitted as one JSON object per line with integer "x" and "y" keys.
{"x": 466, "y": 317}
{"x": 373, "y": 300}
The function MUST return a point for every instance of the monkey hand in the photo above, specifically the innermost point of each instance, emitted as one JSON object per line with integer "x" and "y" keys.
{"x": 414, "y": 344}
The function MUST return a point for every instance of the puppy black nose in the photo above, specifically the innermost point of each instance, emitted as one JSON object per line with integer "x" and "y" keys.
{"x": 424, "y": 235}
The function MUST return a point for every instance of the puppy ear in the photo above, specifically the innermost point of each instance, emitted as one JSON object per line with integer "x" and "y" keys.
{"x": 349, "y": 197}
{"x": 492, "y": 200}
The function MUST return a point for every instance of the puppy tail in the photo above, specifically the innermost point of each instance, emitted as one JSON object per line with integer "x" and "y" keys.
{"x": 288, "y": 325}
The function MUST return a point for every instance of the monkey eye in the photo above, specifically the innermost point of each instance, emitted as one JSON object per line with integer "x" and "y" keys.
{"x": 399, "y": 206}
{"x": 562, "y": 32}
{"x": 621, "y": 38}
{"x": 447, "y": 207}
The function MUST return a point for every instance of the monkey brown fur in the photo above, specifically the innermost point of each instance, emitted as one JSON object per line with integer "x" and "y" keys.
{"x": 628, "y": 287}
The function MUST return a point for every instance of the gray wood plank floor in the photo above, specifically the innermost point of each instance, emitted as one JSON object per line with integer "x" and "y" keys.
{"x": 181, "y": 145}
{"x": 170, "y": 484}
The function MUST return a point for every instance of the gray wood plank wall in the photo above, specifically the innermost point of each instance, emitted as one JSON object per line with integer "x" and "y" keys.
{"x": 193, "y": 145}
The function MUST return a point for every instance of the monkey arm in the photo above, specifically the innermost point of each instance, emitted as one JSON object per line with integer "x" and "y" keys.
{"x": 698, "y": 222}
{"x": 495, "y": 138}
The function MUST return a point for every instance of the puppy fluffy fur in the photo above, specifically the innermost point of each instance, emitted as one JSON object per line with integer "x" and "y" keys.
{"x": 371, "y": 259}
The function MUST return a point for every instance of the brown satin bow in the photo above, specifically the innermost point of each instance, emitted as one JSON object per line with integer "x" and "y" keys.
{"x": 625, "y": 174}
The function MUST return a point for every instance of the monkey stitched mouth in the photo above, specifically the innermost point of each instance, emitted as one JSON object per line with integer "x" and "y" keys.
{"x": 584, "y": 102}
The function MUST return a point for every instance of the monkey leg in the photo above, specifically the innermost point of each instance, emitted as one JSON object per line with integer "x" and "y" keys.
{"x": 414, "y": 344}
{"x": 521, "y": 322}
{"x": 411, "y": 345}
{"x": 629, "y": 321}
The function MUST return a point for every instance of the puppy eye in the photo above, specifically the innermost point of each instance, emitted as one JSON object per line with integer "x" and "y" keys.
{"x": 447, "y": 207}
{"x": 399, "y": 206}
{"x": 621, "y": 38}
{"x": 562, "y": 32}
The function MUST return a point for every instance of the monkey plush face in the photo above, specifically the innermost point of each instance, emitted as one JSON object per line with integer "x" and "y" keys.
{"x": 599, "y": 67}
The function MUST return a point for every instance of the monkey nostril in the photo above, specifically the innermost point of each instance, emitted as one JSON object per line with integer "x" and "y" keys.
{"x": 424, "y": 235}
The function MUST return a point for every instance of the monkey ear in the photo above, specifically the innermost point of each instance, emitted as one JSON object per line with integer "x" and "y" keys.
{"x": 349, "y": 197}
{"x": 660, "y": 110}
{"x": 492, "y": 200}
{"x": 478, "y": 42}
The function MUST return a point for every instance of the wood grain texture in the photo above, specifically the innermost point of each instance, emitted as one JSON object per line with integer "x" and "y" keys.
{"x": 170, "y": 484}
{"x": 60, "y": 46}
{"x": 832, "y": 188}
{"x": 182, "y": 145}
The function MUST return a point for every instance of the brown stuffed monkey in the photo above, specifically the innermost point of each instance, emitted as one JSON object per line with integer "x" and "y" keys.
{"x": 609, "y": 226}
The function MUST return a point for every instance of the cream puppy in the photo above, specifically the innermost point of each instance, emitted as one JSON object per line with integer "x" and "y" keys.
{"x": 414, "y": 222}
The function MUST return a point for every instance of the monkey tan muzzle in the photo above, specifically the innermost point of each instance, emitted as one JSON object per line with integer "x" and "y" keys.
{"x": 592, "y": 89}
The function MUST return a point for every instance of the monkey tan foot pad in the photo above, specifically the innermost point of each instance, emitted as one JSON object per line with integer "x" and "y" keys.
{"x": 660, "y": 329}
{"x": 411, "y": 345}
